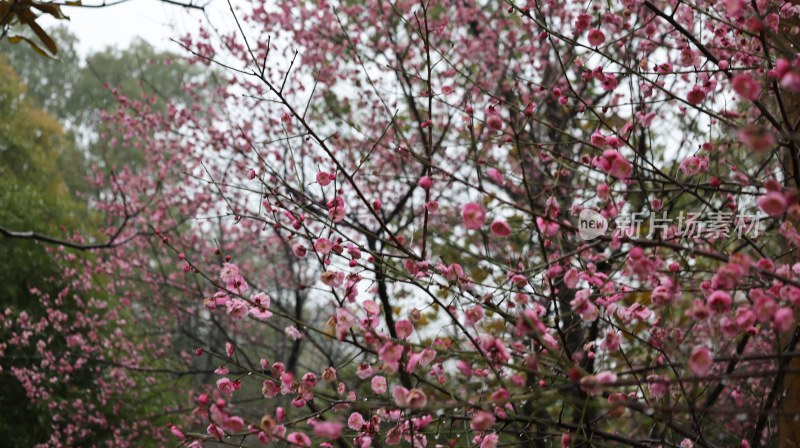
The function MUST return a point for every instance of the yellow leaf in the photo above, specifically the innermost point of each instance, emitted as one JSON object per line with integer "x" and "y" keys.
{"x": 642, "y": 297}
{"x": 17, "y": 39}
{"x": 53, "y": 10}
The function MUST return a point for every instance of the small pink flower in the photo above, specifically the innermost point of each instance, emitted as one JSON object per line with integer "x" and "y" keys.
{"x": 530, "y": 108}
{"x": 425, "y": 183}
{"x": 473, "y": 315}
{"x": 474, "y": 216}
{"x": 611, "y": 342}
{"x": 403, "y": 328}
{"x": 694, "y": 165}
{"x": 390, "y": 354}
{"x": 696, "y": 95}
{"x": 493, "y": 119}
{"x": 394, "y": 435}
{"x": 603, "y": 191}
{"x": 662, "y": 295}
{"x": 613, "y": 163}
{"x": 269, "y": 389}
{"x": 732, "y": 7}
{"x": 593, "y": 384}
{"x": 490, "y": 441}
{"x": 336, "y": 209}
{"x": 214, "y": 431}
{"x": 756, "y": 138}
{"x": 237, "y": 309}
{"x": 700, "y": 361}
{"x": 501, "y": 228}
{"x": 495, "y": 175}
{"x": 571, "y": 279}
{"x": 292, "y": 333}
{"x": 364, "y": 371}
{"x": 176, "y": 431}
{"x": 658, "y": 385}
{"x": 356, "y": 421}
{"x": 412, "y": 399}
{"x": 719, "y": 302}
{"x": 609, "y": 83}
{"x": 399, "y": 393}
{"x": 596, "y": 37}
{"x": 598, "y": 139}
{"x": 229, "y": 272}
{"x": 299, "y": 250}
{"x": 298, "y": 438}
{"x": 260, "y": 299}
{"x": 791, "y": 82}
{"x": 416, "y": 399}
{"x": 260, "y": 313}
{"x": 371, "y": 307}
{"x": 432, "y": 206}
{"x": 745, "y": 86}
{"x": 334, "y": 279}
{"x": 323, "y": 246}
{"x": 784, "y": 319}
{"x": 481, "y": 421}
{"x": 225, "y": 386}
{"x": 773, "y": 203}
{"x": 413, "y": 360}
{"x": 745, "y": 319}
{"x": 583, "y": 306}
{"x": 378, "y": 385}
{"x": 324, "y": 178}
{"x": 582, "y": 22}
{"x": 427, "y": 356}
{"x": 328, "y": 430}
{"x": 447, "y": 90}
{"x": 233, "y": 424}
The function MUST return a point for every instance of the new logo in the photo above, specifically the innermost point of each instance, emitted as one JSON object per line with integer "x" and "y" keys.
{"x": 591, "y": 224}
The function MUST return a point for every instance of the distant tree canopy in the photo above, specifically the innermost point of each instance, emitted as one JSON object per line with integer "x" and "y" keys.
{"x": 51, "y": 131}
{"x": 75, "y": 91}
{"x": 34, "y": 195}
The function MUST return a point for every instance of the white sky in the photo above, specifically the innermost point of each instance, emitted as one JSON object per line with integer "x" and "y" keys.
{"x": 151, "y": 20}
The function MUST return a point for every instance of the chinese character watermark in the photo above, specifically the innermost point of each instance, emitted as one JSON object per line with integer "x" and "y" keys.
{"x": 713, "y": 226}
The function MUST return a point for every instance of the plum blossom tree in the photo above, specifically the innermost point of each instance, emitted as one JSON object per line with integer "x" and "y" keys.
{"x": 371, "y": 237}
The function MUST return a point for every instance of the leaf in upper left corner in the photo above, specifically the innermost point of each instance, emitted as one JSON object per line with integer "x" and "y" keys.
{"x": 18, "y": 39}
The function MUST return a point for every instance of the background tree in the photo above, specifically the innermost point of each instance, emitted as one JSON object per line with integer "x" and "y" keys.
{"x": 69, "y": 343}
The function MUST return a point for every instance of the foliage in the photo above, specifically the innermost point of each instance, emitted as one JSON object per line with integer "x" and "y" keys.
{"x": 60, "y": 351}
{"x": 25, "y": 13}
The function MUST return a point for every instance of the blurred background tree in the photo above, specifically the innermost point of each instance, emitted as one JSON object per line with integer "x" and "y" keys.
{"x": 50, "y": 135}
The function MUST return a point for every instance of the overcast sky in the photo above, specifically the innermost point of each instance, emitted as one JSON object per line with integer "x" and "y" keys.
{"x": 151, "y": 20}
